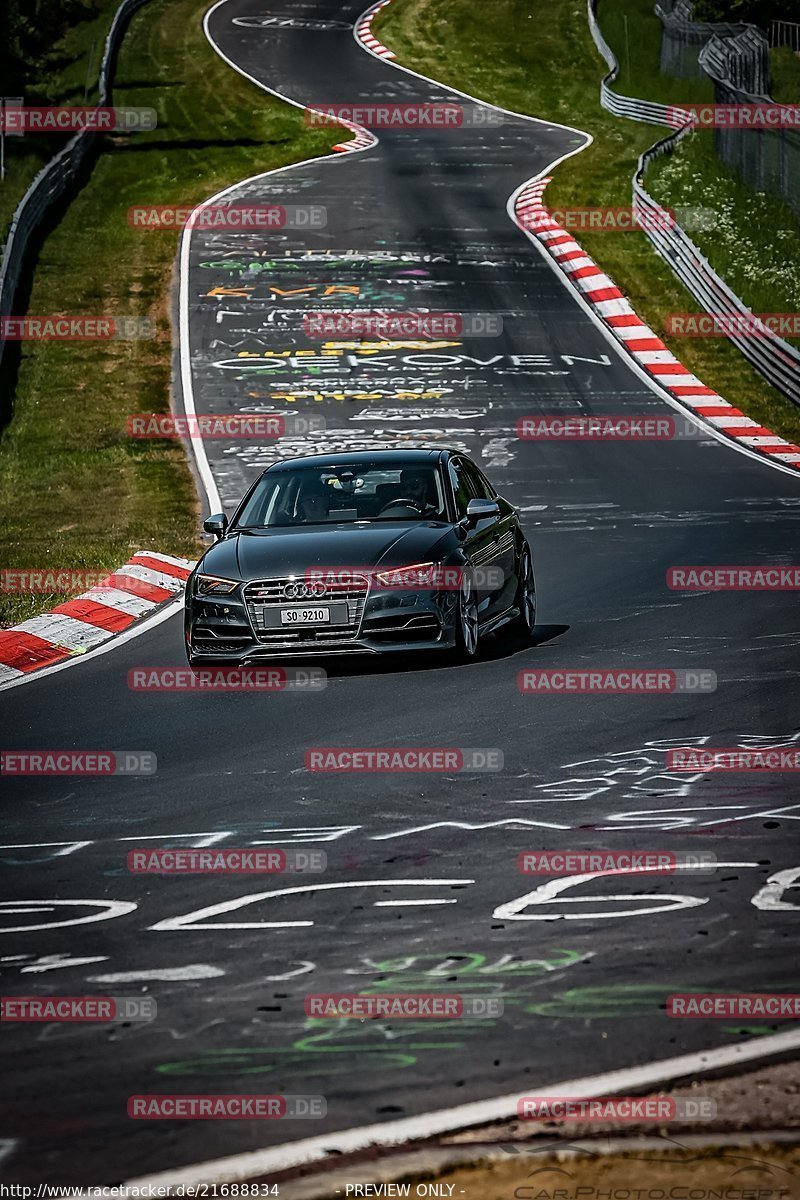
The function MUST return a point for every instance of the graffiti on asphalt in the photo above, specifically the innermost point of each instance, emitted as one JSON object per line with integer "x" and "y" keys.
{"x": 330, "y": 1047}
{"x": 275, "y": 22}
{"x": 548, "y": 898}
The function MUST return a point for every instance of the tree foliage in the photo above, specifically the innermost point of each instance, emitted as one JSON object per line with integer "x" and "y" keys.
{"x": 31, "y": 32}
{"x": 756, "y": 12}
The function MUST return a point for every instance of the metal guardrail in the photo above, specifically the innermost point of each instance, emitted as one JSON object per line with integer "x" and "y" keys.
{"x": 56, "y": 175}
{"x": 627, "y": 106}
{"x": 682, "y": 38}
{"x": 768, "y": 160}
{"x": 741, "y": 61}
{"x": 785, "y": 33}
{"x": 777, "y": 360}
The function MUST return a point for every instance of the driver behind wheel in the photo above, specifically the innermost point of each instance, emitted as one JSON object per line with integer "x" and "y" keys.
{"x": 416, "y": 485}
{"x": 313, "y": 505}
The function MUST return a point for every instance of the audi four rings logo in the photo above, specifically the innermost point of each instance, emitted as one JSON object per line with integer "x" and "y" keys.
{"x": 303, "y": 591}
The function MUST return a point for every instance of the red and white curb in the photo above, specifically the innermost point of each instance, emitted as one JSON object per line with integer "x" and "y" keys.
{"x": 132, "y": 592}
{"x": 363, "y": 139}
{"x": 651, "y": 354}
{"x": 363, "y": 32}
{"x": 365, "y": 35}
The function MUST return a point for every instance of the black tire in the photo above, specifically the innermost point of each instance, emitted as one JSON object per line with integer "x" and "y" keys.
{"x": 466, "y": 620}
{"x": 525, "y": 599}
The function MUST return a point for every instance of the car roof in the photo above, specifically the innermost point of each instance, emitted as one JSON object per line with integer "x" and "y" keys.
{"x": 362, "y": 457}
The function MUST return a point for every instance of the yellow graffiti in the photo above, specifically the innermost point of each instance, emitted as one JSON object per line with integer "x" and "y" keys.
{"x": 318, "y": 397}
{"x": 336, "y": 289}
{"x": 338, "y": 349}
{"x": 346, "y": 289}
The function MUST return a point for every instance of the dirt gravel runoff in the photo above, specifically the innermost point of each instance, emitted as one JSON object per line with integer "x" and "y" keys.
{"x": 757, "y": 1172}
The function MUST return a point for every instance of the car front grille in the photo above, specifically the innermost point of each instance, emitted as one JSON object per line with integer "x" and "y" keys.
{"x": 207, "y": 646}
{"x": 264, "y": 594}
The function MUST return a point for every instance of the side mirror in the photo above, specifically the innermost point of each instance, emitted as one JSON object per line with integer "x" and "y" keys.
{"x": 217, "y": 524}
{"x": 481, "y": 510}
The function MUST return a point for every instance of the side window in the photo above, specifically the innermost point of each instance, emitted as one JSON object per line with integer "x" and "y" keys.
{"x": 461, "y": 489}
{"x": 478, "y": 486}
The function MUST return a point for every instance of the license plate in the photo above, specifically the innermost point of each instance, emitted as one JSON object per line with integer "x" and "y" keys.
{"x": 299, "y": 616}
{"x": 305, "y": 616}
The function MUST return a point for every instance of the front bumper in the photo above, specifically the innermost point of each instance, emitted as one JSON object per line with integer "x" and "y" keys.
{"x": 224, "y": 629}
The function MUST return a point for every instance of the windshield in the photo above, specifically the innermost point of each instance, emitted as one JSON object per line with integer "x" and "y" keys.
{"x": 365, "y": 492}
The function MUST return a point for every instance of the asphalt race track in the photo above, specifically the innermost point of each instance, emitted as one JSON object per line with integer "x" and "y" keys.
{"x": 417, "y": 221}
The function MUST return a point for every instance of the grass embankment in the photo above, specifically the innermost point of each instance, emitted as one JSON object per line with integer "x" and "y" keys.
{"x": 784, "y": 65}
{"x": 537, "y": 56}
{"x": 75, "y": 492}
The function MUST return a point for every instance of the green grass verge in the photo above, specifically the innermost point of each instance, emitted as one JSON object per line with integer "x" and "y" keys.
{"x": 75, "y": 492}
{"x": 537, "y": 56}
{"x": 785, "y": 71}
{"x": 634, "y": 34}
{"x": 755, "y": 242}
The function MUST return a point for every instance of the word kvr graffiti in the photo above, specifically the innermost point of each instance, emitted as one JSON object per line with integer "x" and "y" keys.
{"x": 371, "y": 293}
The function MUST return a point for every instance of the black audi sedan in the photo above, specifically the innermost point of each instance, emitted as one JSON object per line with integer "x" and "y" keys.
{"x": 376, "y": 552}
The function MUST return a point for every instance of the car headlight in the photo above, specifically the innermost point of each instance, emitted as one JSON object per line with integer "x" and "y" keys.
{"x": 415, "y": 575}
{"x": 212, "y": 585}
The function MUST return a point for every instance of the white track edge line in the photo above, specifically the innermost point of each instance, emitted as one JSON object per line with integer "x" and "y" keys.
{"x": 628, "y": 358}
{"x": 187, "y": 390}
{"x": 623, "y": 354}
{"x": 187, "y": 393}
{"x": 201, "y": 460}
{"x": 373, "y": 9}
{"x": 254, "y": 1163}
{"x": 143, "y": 625}
{"x": 445, "y": 1120}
